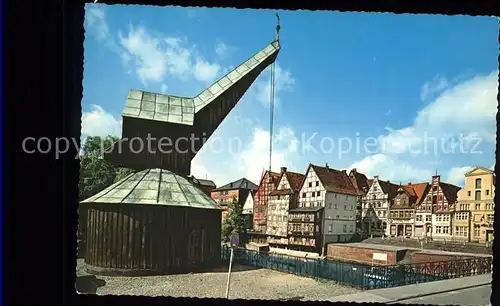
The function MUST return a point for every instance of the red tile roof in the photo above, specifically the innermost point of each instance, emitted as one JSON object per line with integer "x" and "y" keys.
{"x": 334, "y": 180}
{"x": 294, "y": 179}
{"x": 421, "y": 190}
{"x": 359, "y": 181}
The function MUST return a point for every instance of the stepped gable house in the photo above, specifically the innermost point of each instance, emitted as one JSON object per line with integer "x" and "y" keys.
{"x": 327, "y": 194}
{"x": 285, "y": 197}
{"x": 402, "y": 211}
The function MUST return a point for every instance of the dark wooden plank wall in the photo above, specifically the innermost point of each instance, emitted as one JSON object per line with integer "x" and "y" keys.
{"x": 151, "y": 239}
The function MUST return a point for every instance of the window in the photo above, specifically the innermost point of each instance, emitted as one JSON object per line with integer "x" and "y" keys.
{"x": 317, "y": 183}
{"x": 304, "y": 194}
{"x": 460, "y": 231}
{"x": 345, "y": 207}
{"x": 419, "y": 218}
{"x": 434, "y": 188}
{"x": 351, "y": 228}
{"x": 329, "y": 205}
{"x": 352, "y": 207}
{"x": 478, "y": 183}
{"x": 487, "y": 192}
{"x": 337, "y": 217}
{"x": 330, "y": 228}
{"x": 310, "y": 184}
{"x": 478, "y": 195}
{"x": 478, "y": 206}
{"x": 438, "y": 229}
{"x": 318, "y": 193}
{"x": 468, "y": 193}
{"x": 379, "y": 205}
{"x": 335, "y": 205}
{"x": 477, "y": 231}
{"x": 428, "y": 218}
{"x": 491, "y": 218}
{"x": 434, "y": 199}
{"x": 344, "y": 228}
{"x": 490, "y": 206}
{"x": 440, "y": 198}
{"x": 385, "y": 213}
{"x": 446, "y": 229}
{"x": 374, "y": 197}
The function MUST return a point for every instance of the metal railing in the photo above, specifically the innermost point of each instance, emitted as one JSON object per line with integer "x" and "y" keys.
{"x": 361, "y": 275}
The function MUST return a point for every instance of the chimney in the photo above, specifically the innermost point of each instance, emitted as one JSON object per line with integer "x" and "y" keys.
{"x": 326, "y": 166}
{"x": 283, "y": 169}
{"x": 230, "y": 184}
{"x": 375, "y": 177}
{"x": 246, "y": 184}
{"x": 353, "y": 170}
{"x": 409, "y": 183}
{"x": 388, "y": 181}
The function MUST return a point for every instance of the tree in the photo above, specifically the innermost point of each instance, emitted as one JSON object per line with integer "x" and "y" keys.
{"x": 234, "y": 223}
{"x": 95, "y": 173}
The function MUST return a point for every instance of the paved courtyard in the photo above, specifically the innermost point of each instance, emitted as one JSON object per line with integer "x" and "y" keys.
{"x": 434, "y": 245}
{"x": 246, "y": 283}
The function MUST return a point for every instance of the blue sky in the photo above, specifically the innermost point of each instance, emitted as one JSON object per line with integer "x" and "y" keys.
{"x": 422, "y": 87}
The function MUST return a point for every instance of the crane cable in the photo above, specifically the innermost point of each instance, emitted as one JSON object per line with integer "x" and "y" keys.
{"x": 271, "y": 99}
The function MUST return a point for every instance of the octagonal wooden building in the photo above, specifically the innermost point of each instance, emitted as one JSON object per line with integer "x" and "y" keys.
{"x": 152, "y": 222}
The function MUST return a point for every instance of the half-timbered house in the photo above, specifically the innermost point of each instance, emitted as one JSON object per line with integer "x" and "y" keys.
{"x": 268, "y": 183}
{"x": 285, "y": 197}
{"x": 333, "y": 191}
{"x": 377, "y": 200}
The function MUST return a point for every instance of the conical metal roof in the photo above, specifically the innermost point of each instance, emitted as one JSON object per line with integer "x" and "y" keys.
{"x": 154, "y": 187}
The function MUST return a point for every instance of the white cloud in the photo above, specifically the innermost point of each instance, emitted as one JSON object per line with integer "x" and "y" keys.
{"x": 284, "y": 81}
{"x": 255, "y": 157}
{"x": 153, "y": 57}
{"x": 457, "y": 175}
{"x": 436, "y": 85}
{"x": 98, "y": 122}
{"x": 205, "y": 71}
{"x": 466, "y": 111}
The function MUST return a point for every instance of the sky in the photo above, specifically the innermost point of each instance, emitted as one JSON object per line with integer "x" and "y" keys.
{"x": 399, "y": 96}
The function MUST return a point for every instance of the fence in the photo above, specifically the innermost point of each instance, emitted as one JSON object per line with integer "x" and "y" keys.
{"x": 360, "y": 275}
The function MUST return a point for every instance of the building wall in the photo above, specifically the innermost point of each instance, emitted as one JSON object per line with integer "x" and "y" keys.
{"x": 364, "y": 255}
{"x": 312, "y": 193}
{"x": 340, "y": 217}
{"x": 482, "y": 210}
{"x": 248, "y": 205}
{"x": 277, "y": 216}
{"x": 376, "y": 198}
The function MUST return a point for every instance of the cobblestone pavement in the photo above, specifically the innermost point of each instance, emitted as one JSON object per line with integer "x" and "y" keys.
{"x": 246, "y": 283}
{"x": 473, "y": 296}
{"x": 434, "y": 245}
